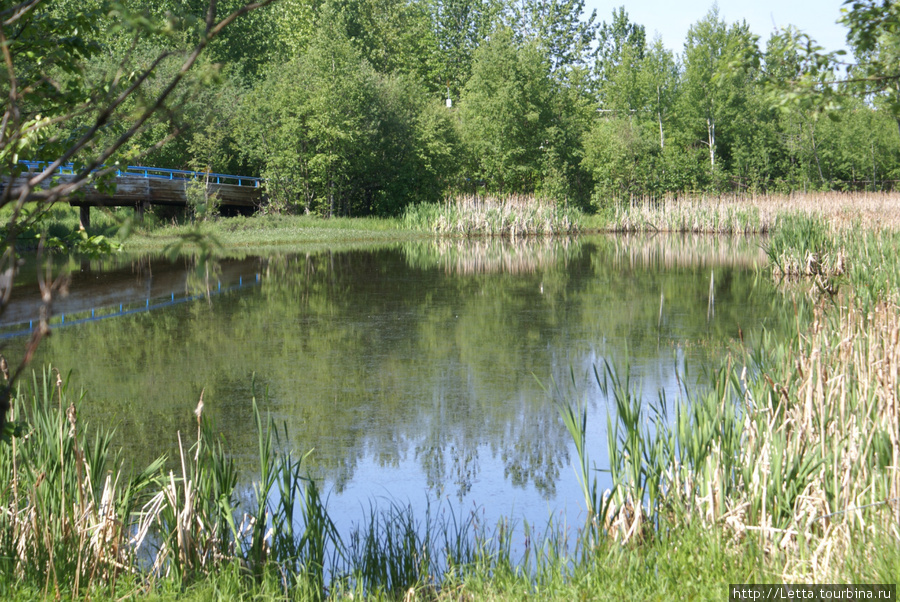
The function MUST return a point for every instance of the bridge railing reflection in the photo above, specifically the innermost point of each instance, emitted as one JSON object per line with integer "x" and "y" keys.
{"x": 9, "y": 331}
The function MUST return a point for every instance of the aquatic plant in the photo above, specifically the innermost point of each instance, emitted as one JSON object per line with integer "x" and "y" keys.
{"x": 67, "y": 506}
{"x": 514, "y": 216}
{"x": 745, "y": 214}
{"x": 794, "y": 446}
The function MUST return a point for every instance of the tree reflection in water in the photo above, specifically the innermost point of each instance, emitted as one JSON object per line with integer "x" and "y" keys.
{"x": 424, "y": 356}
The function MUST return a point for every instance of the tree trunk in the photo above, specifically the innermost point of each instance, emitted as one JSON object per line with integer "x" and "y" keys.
{"x": 812, "y": 134}
{"x": 711, "y": 132}
{"x": 662, "y": 141}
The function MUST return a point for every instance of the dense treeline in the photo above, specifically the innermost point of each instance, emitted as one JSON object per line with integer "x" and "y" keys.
{"x": 361, "y": 107}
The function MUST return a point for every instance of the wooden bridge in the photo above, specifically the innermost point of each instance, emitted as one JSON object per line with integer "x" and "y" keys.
{"x": 140, "y": 187}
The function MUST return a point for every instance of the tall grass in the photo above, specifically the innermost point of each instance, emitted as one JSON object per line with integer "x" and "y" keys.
{"x": 74, "y": 518}
{"x": 794, "y": 448}
{"x": 512, "y": 216}
{"x": 863, "y": 261}
{"x": 744, "y": 214}
{"x": 66, "y": 508}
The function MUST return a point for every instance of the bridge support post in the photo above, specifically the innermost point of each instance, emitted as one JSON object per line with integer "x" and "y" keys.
{"x": 84, "y": 217}
{"x": 139, "y": 208}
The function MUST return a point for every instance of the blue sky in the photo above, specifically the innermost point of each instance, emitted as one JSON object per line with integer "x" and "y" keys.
{"x": 672, "y": 18}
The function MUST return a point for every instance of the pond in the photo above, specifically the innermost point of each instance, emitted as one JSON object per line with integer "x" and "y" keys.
{"x": 418, "y": 373}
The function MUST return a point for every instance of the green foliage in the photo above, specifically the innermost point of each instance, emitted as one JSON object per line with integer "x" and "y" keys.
{"x": 874, "y": 30}
{"x": 517, "y": 122}
{"x": 718, "y": 70}
{"x": 337, "y": 138}
{"x": 559, "y": 28}
{"x": 616, "y": 154}
{"x": 617, "y": 42}
{"x": 458, "y": 29}
{"x": 201, "y": 203}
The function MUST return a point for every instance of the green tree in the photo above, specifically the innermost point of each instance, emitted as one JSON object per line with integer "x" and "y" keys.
{"x": 56, "y": 108}
{"x": 873, "y": 30}
{"x": 335, "y": 137}
{"x": 626, "y": 149}
{"x": 310, "y": 121}
{"x": 505, "y": 111}
{"x": 615, "y": 39}
{"x": 558, "y": 27}
{"x": 719, "y": 65}
{"x": 392, "y": 35}
{"x": 659, "y": 79}
{"x": 874, "y": 34}
{"x": 458, "y": 28}
{"x": 294, "y": 24}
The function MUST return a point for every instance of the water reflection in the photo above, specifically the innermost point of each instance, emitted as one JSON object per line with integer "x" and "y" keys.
{"x": 419, "y": 368}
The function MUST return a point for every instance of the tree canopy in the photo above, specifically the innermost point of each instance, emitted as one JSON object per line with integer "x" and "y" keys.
{"x": 361, "y": 107}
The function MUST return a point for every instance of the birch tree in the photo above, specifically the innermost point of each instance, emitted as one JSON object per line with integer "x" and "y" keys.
{"x": 718, "y": 64}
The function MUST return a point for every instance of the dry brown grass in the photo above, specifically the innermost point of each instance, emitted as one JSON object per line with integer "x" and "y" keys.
{"x": 758, "y": 213}
{"x": 834, "y": 399}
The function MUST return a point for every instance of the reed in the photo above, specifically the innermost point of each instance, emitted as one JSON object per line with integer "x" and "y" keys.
{"x": 71, "y": 519}
{"x": 511, "y": 216}
{"x": 733, "y": 214}
{"x": 863, "y": 261}
{"x": 64, "y": 524}
{"x": 794, "y": 447}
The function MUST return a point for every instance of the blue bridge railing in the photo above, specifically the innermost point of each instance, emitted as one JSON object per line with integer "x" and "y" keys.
{"x": 156, "y": 173}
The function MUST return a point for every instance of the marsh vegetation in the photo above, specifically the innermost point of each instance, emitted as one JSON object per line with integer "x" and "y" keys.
{"x": 780, "y": 464}
{"x": 746, "y": 406}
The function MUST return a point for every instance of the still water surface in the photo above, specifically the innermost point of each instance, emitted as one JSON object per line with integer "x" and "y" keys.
{"x": 418, "y": 373}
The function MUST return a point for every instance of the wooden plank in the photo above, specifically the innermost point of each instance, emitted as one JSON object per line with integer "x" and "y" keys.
{"x": 166, "y": 192}
{"x": 128, "y": 190}
{"x": 242, "y": 196}
{"x": 131, "y": 190}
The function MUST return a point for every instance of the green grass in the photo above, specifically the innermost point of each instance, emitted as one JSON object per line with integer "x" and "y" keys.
{"x": 261, "y": 234}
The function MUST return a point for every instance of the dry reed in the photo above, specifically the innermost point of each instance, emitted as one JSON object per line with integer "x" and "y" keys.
{"x": 799, "y": 449}
{"x": 514, "y": 216}
{"x": 733, "y": 214}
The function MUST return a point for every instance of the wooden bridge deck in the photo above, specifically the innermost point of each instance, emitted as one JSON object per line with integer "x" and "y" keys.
{"x": 141, "y": 187}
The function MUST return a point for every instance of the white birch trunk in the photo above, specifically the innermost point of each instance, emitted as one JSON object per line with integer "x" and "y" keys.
{"x": 662, "y": 141}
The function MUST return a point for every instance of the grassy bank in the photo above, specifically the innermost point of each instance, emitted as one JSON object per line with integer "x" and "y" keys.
{"x": 512, "y": 217}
